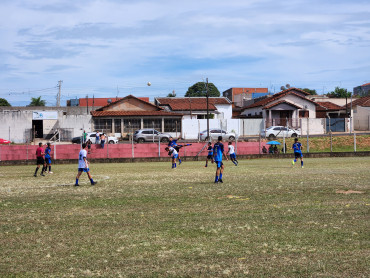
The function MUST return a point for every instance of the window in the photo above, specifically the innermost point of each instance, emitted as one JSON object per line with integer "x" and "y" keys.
{"x": 172, "y": 125}
{"x": 103, "y": 125}
{"x": 153, "y": 123}
{"x": 117, "y": 125}
{"x": 304, "y": 114}
{"x": 131, "y": 124}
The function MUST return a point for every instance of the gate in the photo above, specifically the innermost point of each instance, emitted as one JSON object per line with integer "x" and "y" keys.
{"x": 335, "y": 124}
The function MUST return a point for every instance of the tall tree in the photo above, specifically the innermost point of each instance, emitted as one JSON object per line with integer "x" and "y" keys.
{"x": 310, "y": 91}
{"x": 4, "y": 102}
{"x": 37, "y": 101}
{"x": 199, "y": 90}
{"x": 339, "y": 93}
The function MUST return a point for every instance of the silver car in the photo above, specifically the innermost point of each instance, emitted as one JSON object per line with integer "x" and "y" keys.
{"x": 150, "y": 135}
{"x": 215, "y": 132}
{"x": 280, "y": 131}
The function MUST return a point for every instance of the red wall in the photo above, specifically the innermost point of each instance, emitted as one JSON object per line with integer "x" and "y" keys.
{"x": 27, "y": 152}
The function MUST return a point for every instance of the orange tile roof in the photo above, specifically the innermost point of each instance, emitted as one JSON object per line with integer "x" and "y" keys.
{"x": 364, "y": 101}
{"x": 327, "y": 105}
{"x": 102, "y": 101}
{"x": 132, "y": 113}
{"x": 126, "y": 97}
{"x": 280, "y": 102}
{"x": 279, "y": 95}
{"x": 193, "y": 103}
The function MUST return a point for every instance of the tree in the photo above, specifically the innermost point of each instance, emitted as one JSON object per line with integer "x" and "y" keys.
{"x": 199, "y": 90}
{"x": 310, "y": 91}
{"x": 37, "y": 101}
{"x": 339, "y": 93}
{"x": 173, "y": 94}
{"x": 4, "y": 102}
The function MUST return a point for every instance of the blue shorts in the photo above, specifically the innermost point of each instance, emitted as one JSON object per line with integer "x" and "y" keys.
{"x": 233, "y": 155}
{"x": 86, "y": 170}
{"x": 48, "y": 160}
{"x": 298, "y": 155}
{"x": 219, "y": 164}
{"x": 175, "y": 156}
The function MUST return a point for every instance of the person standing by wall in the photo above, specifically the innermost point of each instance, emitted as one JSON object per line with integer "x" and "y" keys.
{"x": 102, "y": 140}
{"x": 97, "y": 137}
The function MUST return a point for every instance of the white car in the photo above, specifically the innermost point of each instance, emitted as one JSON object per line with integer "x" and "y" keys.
{"x": 92, "y": 137}
{"x": 215, "y": 132}
{"x": 273, "y": 132}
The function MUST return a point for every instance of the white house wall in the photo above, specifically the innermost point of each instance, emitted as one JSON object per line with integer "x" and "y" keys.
{"x": 226, "y": 110}
{"x": 313, "y": 126}
{"x": 361, "y": 118}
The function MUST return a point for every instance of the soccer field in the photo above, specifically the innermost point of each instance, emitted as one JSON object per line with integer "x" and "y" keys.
{"x": 268, "y": 219}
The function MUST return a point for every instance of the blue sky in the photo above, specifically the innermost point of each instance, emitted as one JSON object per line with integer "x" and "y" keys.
{"x": 109, "y": 47}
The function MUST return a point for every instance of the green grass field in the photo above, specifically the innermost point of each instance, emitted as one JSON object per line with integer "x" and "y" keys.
{"x": 145, "y": 220}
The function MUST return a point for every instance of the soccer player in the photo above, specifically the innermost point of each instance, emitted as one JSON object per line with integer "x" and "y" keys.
{"x": 218, "y": 152}
{"x": 83, "y": 166}
{"x": 40, "y": 160}
{"x": 297, "y": 147}
{"x": 173, "y": 143}
{"x": 210, "y": 153}
{"x": 173, "y": 153}
{"x": 48, "y": 158}
{"x": 232, "y": 153}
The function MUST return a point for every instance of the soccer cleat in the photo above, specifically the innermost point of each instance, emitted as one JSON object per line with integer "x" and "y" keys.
{"x": 216, "y": 182}
{"x": 42, "y": 175}
{"x": 50, "y": 172}
{"x": 77, "y": 184}
{"x": 35, "y": 175}
{"x": 93, "y": 183}
{"x": 302, "y": 167}
{"x": 293, "y": 162}
{"x": 221, "y": 181}
{"x": 205, "y": 166}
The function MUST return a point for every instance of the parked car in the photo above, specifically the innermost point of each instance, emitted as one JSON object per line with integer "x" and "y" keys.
{"x": 92, "y": 137}
{"x": 214, "y": 133}
{"x": 147, "y": 134}
{"x": 273, "y": 132}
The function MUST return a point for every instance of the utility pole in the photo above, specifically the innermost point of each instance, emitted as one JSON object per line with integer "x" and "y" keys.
{"x": 59, "y": 92}
{"x": 207, "y": 95}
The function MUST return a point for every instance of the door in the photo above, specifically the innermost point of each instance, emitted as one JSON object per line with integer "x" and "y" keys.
{"x": 38, "y": 129}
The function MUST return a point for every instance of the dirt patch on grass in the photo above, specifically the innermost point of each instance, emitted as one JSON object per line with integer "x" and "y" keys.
{"x": 349, "y": 192}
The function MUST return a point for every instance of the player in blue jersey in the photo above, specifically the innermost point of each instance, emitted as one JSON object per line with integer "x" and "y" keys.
{"x": 83, "y": 166}
{"x": 297, "y": 148}
{"x": 218, "y": 153}
{"x": 210, "y": 153}
{"x": 173, "y": 143}
{"x": 48, "y": 158}
{"x": 173, "y": 153}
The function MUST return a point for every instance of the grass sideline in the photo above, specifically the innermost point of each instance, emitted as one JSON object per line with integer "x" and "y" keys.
{"x": 145, "y": 220}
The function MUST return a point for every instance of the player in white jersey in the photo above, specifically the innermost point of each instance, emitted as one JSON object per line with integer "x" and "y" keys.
{"x": 83, "y": 166}
{"x": 232, "y": 153}
{"x": 174, "y": 154}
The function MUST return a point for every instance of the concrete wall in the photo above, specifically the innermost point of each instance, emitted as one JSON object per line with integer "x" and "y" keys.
{"x": 65, "y": 152}
{"x": 316, "y": 126}
{"x": 361, "y": 118}
{"x": 226, "y": 111}
{"x": 250, "y": 127}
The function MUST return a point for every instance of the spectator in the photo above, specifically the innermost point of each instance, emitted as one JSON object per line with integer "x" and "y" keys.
{"x": 84, "y": 137}
{"x": 88, "y": 143}
{"x": 97, "y": 137}
{"x": 271, "y": 149}
{"x": 264, "y": 150}
{"x": 102, "y": 140}
{"x": 276, "y": 151}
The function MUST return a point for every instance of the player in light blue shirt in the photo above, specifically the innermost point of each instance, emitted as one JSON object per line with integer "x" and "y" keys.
{"x": 218, "y": 153}
{"x": 48, "y": 158}
{"x": 297, "y": 148}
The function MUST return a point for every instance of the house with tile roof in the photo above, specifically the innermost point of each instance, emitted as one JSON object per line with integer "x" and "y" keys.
{"x": 288, "y": 105}
{"x": 131, "y": 113}
{"x": 362, "y": 91}
{"x": 196, "y": 107}
{"x": 240, "y": 96}
{"x": 360, "y": 113}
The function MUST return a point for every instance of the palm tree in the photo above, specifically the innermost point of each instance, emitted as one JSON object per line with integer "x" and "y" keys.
{"x": 37, "y": 101}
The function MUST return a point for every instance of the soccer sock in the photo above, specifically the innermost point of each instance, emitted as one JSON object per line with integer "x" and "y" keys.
{"x": 301, "y": 162}
{"x": 36, "y": 170}
{"x": 295, "y": 160}
{"x": 76, "y": 180}
{"x": 173, "y": 165}
{"x": 179, "y": 160}
{"x": 220, "y": 176}
{"x": 92, "y": 181}
{"x": 49, "y": 168}
{"x": 216, "y": 179}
